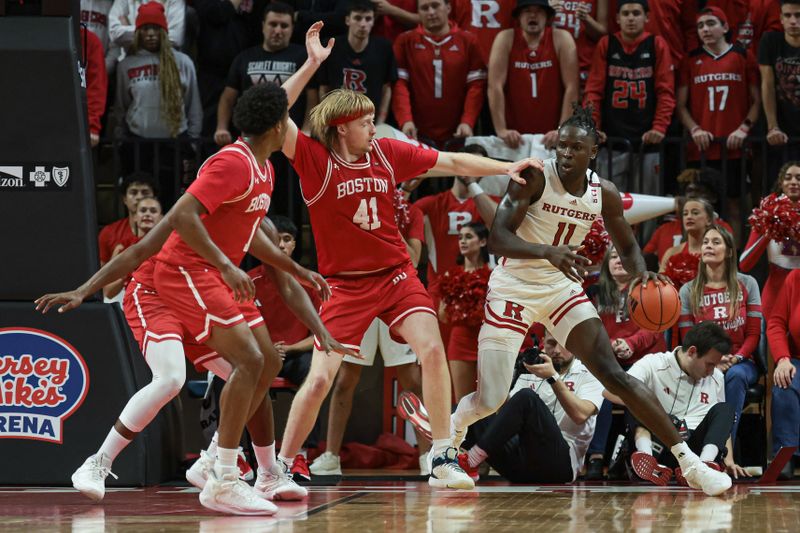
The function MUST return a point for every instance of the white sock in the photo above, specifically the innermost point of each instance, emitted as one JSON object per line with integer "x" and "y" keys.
{"x": 684, "y": 455}
{"x": 441, "y": 445}
{"x": 644, "y": 445}
{"x": 112, "y": 446}
{"x": 212, "y": 448}
{"x": 265, "y": 456}
{"x": 226, "y": 462}
{"x": 288, "y": 461}
{"x": 709, "y": 453}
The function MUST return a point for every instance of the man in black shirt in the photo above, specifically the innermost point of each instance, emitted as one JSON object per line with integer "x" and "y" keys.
{"x": 274, "y": 61}
{"x": 359, "y": 62}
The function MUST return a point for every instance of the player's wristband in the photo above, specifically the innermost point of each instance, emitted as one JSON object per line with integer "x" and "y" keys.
{"x": 474, "y": 190}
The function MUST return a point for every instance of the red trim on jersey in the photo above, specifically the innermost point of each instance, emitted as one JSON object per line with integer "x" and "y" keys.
{"x": 567, "y": 310}
{"x": 505, "y": 326}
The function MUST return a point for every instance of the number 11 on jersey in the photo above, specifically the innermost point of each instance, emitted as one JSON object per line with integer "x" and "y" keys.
{"x": 560, "y": 231}
{"x": 362, "y": 216}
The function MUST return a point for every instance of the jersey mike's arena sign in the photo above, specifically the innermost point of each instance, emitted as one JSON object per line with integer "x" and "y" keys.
{"x": 43, "y": 380}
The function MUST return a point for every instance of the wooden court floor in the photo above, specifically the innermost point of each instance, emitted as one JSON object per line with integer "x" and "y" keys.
{"x": 411, "y": 506}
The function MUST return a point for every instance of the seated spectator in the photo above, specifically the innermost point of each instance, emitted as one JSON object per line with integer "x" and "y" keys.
{"x": 783, "y": 334}
{"x": 631, "y": 90}
{"x": 721, "y": 294}
{"x": 134, "y": 188}
{"x": 694, "y": 183}
{"x": 587, "y": 22}
{"x": 273, "y": 61}
{"x": 778, "y": 54}
{"x": 158, "y": 97}
{"x": 680, "y": 262}
{"x": 629, "y": 342}
{"x": 533, "y": 76}
{"x": 783, "y": 256}
{"x": 124, "y": 13}
{"x": 690, "y": 388}
{"x": 361, "y": 62}
{"x": 96, "y": 83}
{"x": 463, "y": 290}
{"x": 719, "y": 96}
{"x": 541, "y": 433}
{"x": 148, "y": 213}
{"x": 393, "y": 17}
{"x": 441, "y": 77}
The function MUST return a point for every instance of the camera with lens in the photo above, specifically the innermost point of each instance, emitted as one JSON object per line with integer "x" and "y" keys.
{"x": 532, "y": 356}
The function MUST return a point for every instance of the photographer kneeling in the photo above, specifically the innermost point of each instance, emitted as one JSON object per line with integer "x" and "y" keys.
{"x": 691, "y": 389}
{"x": 542, "y": 432}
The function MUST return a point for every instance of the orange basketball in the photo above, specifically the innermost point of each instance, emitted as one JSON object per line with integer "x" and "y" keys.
{"x": 654, "y": 306}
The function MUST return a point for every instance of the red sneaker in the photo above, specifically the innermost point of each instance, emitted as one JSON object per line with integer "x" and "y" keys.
{"x": 409, "y": 407}
{"x": 299, "y": 469}
{"x": 245, "y": 470}
{"x": 646, "y": 467}
{"x": 463, "y": 462}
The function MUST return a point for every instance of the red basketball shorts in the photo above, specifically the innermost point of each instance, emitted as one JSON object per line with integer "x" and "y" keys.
{"x": 200, "y": 300}
{"x": 391, "y": 295}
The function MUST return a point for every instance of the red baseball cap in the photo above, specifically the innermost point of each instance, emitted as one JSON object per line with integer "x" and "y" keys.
{"x": 714, "y": 11}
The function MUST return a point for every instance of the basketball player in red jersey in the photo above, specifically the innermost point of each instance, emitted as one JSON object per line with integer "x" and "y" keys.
{"x": 533, "y": 76}
{"x": 536, "y": 229}
{"x": 348, "y": 179}
{"x": 484, "y": 19}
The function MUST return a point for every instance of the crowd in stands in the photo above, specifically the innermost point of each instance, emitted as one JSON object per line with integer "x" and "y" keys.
{"x": 719, "y": 76}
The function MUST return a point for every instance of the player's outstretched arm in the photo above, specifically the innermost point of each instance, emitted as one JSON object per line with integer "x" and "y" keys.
{"x": 300, "y": 304}
{"x": 264, "y": 248}
{"x": 464, "y": 164}
{"x": 119, "y": 267}
{"x": 503, "y": 239}
{"x": 622, "y": 236}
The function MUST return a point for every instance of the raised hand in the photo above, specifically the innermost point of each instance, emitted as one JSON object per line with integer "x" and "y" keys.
{"x": 514, "y": 170}
{"x": 316, "y": 52}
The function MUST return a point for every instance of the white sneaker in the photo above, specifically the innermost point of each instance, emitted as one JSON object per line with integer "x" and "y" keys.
{"x": 233, "y": 496}
{"x": 277, "y": 484}
{"x": 424, "y": 469}
{"x": 90, "y": 477}
{"x": 447, "y": 474}
{"x": 700, "y": 476}
{"x": 326, "y": 464}
{"x": 198, "y": 473}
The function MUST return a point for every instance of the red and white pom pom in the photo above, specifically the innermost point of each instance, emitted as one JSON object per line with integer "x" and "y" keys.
{"x": 777, "y": 217}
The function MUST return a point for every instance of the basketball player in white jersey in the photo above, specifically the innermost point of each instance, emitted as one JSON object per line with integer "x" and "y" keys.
{"x": 537, "y": 230}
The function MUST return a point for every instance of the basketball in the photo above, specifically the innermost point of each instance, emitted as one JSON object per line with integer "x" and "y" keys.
{"x": 654, "y": 306}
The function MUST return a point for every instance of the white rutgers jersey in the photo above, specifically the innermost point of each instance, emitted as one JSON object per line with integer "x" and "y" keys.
{"x": 557, "y": 218}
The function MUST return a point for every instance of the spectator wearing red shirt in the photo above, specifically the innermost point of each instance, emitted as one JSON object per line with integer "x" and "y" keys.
{"x": 674, "y": 21}
{"x": 732, "y": 300}
{"x": 484, "y": 19}
{"x": 96, "y": 83}
{"x": 629, "y": 342}
{"x": 719, "y": 97}
{"x": 134, "y": 187}
{"x": 783, "y": 256}
{"x": 442, "y": 79}
{"x": 631, "y": 90}
{"x": 587, "y": 22}
{"x": 533, "y": 76}
{"x": 394, "y": 17}
{"x": 783, "y": 334}
{"x": 761, "y": 16}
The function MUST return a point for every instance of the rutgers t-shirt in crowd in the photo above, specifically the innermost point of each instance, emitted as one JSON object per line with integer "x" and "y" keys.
{"x": 484, "y": 19}
{"x": 255, "y": 65}
{"x": 784, "y": 59}
{"x": 364, "y": 72}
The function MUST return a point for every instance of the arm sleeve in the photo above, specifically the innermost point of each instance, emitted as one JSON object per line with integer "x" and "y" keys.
{"x": 756, "y": 244}
{"x": 96, "y": 81}
{"x": 752, "y": 327}
{"x": 642, "y": 342}
{"x": 401, "y": 95}
{"x": 476, "y": 83}
{"x": 596, "y": 83}
{"x": 408, "y": 160}
{"x": 220, "y": 180}
{"x": 665, "y": 87}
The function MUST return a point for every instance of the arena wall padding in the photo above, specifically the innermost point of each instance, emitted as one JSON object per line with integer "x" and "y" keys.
{"x": 116, "y": 370}
{"x": 47, "y": 196}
